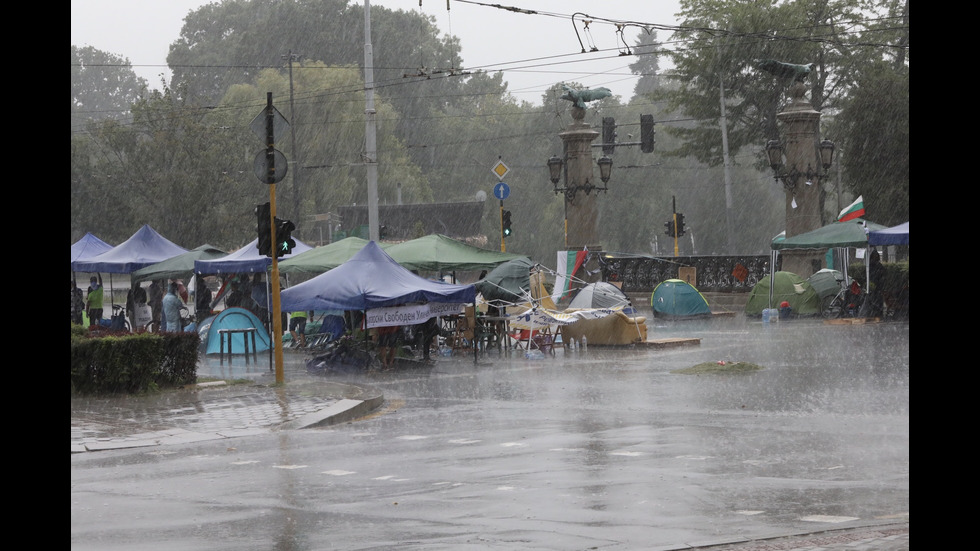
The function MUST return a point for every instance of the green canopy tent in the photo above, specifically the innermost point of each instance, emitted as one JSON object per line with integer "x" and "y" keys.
{"x": 836, "y": 235}
{"x": 323, "y": 259}
{"x": 438, "y": 253}
{"x": 178, "y": 267}
{"x": 508, "y": 282}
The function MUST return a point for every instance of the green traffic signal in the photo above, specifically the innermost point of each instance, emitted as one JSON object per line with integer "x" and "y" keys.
{"x": 506, "y": 225}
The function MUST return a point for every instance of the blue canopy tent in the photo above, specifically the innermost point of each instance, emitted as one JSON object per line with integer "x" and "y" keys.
{"x": 895, "y": 235}
{"x": 244, "y": 260}
{"x": 143, "y": 248}
{"x": 370, "y": 279}
{"x": 87, "y": 247}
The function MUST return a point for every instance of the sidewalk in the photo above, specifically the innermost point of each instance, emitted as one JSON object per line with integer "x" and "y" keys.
{"x": 212, "y": 411}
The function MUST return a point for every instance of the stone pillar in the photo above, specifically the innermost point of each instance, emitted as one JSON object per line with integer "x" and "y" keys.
{"x": 800, "y": 123}
{"x": 581, "y": 211}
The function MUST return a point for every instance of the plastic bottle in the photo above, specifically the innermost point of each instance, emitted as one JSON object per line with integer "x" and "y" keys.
{"x": 585, "y": 343}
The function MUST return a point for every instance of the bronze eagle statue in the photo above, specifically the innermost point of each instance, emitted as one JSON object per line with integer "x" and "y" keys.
{"x": 797, "y": 73}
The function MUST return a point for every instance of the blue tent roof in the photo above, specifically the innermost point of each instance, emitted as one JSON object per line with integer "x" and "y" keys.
{"x": 87, "y": 247}
{"x": 895, "y": 235}
{"x": 244, "y": 260}
{"x": 143, "y": 248}
{"x": 370, "y": 279}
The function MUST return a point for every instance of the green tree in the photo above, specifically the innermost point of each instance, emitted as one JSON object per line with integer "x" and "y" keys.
{"x": 330, "y": 136}
{"x": 721, "y": 41}
{"x": 875, "y": 156}
{"x": 103, "y": 86}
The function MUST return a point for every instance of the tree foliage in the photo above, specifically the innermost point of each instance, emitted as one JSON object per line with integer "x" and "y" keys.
{"x": 103, "y": 86}
{"x": 723, "y": 40}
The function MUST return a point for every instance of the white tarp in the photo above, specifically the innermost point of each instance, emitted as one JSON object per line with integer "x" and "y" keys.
{"x": 541, "y": 318}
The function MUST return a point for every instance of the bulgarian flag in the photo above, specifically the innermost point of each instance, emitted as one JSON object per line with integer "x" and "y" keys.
{"x": 568, "y": 263}
{"x": 852, "y": 211}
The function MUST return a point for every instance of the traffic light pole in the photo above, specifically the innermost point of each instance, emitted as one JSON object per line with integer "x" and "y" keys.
{"x": 503, "y": 242}
{"x": 276, "y": 307}
{"x": 677, "y": 251}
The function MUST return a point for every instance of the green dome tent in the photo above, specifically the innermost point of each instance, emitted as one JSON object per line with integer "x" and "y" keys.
{"x": 789, "y": 287}
{"x": 676, "y": 298}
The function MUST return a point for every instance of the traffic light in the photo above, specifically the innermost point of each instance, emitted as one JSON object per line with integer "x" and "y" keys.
{"x": 670, "y": 228}
{"x": 263, "y": 229}
{"x": 608, "y": 135}
{"x": 646, "y": 133}
{"x": 505, "y": 226}
{"x": 284, "y": 241}
{"x": 680, "y": 224}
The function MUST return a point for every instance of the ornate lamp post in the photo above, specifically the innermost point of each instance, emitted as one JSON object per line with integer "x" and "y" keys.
{"x": 791, "y": 177}
{"x": 799, "y": 162}
{"x": 555, "y": 166}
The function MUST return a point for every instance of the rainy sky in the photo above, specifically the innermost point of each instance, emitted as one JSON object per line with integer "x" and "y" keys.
{"x": 534, "y": 51}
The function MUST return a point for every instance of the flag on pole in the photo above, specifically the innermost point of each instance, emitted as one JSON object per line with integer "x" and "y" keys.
{"x": 568, "y": 263}
{"x": 852, "y": 211}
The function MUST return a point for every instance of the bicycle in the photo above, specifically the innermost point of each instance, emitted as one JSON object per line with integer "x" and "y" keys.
{"x": 119, "y": 322}
{"x": 846, "y": 303}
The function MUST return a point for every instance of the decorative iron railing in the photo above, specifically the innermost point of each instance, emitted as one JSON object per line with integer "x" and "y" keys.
{"x": 713, "y": 274}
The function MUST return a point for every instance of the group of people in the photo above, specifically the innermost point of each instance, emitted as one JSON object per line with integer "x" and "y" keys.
{"x": 421, "y": 337}
{"x": 90, "y": 303}
{"x": 164, "y": 306}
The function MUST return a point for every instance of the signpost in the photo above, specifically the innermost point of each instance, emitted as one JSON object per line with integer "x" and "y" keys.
{"x": 269, "y": 125}
{"x": 502, "y": 191}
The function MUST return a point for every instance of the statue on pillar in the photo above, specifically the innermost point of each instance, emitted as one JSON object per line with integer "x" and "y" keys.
{"x": 579, "y": 97}
{"x": 779, "y": 69}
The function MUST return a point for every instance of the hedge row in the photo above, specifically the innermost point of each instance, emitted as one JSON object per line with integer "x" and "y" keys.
{"x": 106, "y": 362}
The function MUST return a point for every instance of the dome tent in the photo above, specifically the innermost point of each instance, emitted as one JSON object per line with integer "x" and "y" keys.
{"x": 675, "y": 298}
{"x": 789, "y": 287}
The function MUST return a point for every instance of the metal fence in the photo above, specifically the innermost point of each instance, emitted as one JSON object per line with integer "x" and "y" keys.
{"x": 714, "y": 274}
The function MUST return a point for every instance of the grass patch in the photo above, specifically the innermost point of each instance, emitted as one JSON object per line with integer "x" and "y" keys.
{"x": 720, "y": 367}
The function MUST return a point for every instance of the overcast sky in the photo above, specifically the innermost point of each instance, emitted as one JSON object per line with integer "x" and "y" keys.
{"x": 534, "y": 50}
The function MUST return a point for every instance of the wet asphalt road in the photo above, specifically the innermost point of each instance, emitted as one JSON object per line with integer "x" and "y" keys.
{"x": 596, "y": 449}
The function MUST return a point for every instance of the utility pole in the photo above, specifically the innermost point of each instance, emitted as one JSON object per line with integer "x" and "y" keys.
{"x": 290, "y": 57}
{"x": 370, "y": 116}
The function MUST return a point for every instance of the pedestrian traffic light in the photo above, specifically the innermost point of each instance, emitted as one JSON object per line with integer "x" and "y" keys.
{"x": 505, "y": 226}
{"x": 608, "y": 135}
{"x": 263, "y": 229}
{"x": 680, "y": 224}
{"x": 670, "y": 228}
{"x": 646, "y": 133}
{"x": 284, "y": 240}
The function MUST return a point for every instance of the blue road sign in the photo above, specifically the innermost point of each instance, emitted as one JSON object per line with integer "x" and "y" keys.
{"x": 501, "y": 191}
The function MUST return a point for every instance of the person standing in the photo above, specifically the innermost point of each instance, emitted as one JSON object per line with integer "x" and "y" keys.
{"x": 171, "y": 308}
{"x": 202, "y": 299}
{"x": 261, "y": 299}
{"x": 77, "y": 304}
{"x": 93, "y": 300}
{"x": 297, "y": 328}
{"x": 876, "y": 279}
{"x": 155, "y": 293}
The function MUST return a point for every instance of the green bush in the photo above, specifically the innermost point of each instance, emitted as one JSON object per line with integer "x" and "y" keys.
{"x": 125, "y": 363}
